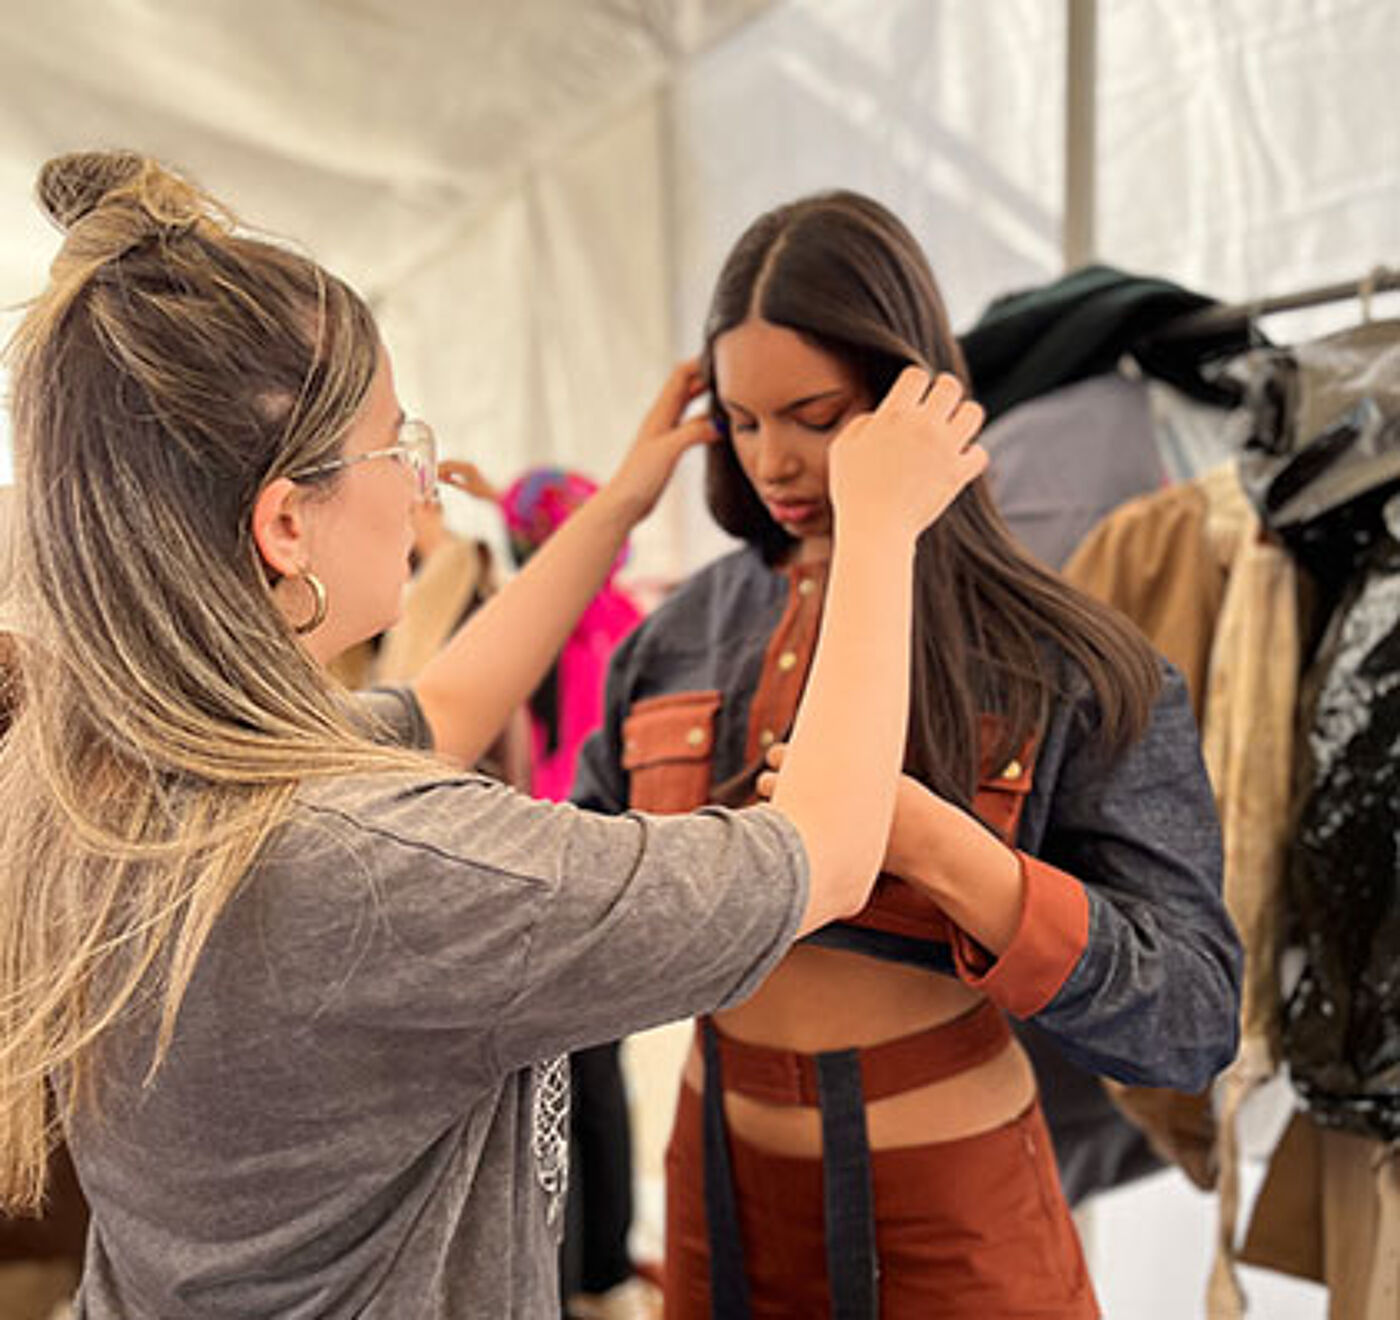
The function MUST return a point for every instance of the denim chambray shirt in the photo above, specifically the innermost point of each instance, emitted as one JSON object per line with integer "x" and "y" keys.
{"x": 1149, "y": 993}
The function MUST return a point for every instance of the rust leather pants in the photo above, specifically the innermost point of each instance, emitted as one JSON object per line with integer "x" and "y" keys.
{"x": 970, "y": 1229}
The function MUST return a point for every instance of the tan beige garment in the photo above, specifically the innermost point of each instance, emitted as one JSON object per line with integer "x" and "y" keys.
{"x": 1329, "y": 1211}
{"x": 37, "y": 1290}
{"x": 1152, "y": 559}
{"x": 434, "y": 603}
{"x": 1193, "y": 567}
{"x": 451, "y": 581}
{"x": 1247, "y": 739}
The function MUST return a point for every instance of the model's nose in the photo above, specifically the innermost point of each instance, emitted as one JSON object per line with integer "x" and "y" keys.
{"x": 775, "y": 459}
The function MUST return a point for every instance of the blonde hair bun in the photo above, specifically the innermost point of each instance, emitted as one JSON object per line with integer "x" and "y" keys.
{"x": 139, "y": 195}
{"x": 71, "y": 186}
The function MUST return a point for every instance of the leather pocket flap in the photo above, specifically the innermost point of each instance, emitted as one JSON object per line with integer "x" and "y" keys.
{"x": 677, "y": 727}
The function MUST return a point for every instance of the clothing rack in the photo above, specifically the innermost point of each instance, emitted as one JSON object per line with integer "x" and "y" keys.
{"x": 1232, "y": 316}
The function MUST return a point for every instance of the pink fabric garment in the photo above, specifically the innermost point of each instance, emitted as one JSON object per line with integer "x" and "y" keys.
{"x": 583, "y": 666}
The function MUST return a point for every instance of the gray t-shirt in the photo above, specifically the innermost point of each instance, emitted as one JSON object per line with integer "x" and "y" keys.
{"x": 359, "y": 1114}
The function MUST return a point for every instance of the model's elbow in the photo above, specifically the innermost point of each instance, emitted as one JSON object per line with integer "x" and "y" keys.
{"x": 1216, "y": 1043}
{"x": 1195, "y": 1069}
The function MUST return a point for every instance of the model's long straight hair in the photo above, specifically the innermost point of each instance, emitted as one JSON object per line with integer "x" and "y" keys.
{"x": 166, "y": 712}
{"x": 843, "y": 272}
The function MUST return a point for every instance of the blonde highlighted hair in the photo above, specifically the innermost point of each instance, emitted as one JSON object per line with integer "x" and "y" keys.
{"x": 171, "y": 368}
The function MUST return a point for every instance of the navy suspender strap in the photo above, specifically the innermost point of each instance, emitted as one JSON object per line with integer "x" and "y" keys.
{"x": 852, "y": 1263}
{"x": 729, "y": 1287}
{"x": 848, "y": 1199}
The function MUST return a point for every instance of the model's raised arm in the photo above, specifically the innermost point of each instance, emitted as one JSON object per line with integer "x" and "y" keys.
{"x": 893, "y": 471}
{"x": 500, "y": 654}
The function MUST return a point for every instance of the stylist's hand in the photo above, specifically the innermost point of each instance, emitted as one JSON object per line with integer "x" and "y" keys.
{"x": 906, "y": 461}
{"x": 661, "y": 439}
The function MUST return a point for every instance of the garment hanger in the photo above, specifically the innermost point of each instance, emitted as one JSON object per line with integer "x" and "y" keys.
{"x": 1230, "y": 316}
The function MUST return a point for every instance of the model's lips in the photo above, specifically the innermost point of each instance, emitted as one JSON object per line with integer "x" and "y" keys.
{"x": 793, "y": 511}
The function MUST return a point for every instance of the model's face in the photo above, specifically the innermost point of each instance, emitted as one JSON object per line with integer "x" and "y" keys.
{"x": 786, "y": 400}
{"x": 362, "y": 532}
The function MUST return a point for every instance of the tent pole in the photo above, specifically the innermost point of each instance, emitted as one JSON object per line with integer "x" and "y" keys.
{"x": 1081, "y": 86}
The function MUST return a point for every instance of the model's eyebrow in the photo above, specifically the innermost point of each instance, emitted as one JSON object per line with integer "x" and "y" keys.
{"x": 796, "y": 403}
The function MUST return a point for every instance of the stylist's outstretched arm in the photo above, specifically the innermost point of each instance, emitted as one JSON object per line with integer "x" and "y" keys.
{"x": 493, "y": 664}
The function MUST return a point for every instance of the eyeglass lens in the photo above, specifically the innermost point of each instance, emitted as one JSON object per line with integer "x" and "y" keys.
{"x": 420, "y": 448}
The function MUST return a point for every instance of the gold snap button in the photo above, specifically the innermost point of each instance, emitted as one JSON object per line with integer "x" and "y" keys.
{"x": 767, "y": 738}
{"x": 695, "y": 736}
{"x": 787, "y": 660}
{"x": 1013, "y": 770}
{"x": 806, "y": 587}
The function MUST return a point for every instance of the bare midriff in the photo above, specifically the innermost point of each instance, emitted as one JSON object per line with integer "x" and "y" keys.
{"x": 824, "y": 999}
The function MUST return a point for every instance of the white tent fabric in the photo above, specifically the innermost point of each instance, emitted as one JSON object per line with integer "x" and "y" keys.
{"x": 466, "y": 159}
{"x": 536, "y": 194}
{"x": 1250, "y": 148}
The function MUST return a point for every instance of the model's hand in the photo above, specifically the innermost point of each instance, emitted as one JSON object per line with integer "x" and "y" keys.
{"x": 661, "y": 439}
{"x": 904, "y": 463}
{"x": 918, "y": 812}
{"x": 915, "y": 808}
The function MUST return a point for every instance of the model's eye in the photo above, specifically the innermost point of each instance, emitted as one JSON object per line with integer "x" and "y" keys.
{"x": 821, "y": 421}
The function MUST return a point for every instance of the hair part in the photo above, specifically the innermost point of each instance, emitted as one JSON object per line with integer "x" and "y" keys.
{"x": 843, "y": 272}
{"x": 171, "y": 368}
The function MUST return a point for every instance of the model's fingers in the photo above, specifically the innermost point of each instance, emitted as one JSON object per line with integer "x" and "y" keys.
{"x": 944, "y": 394}
{"x": 908, "y": 389}
{"x": 696, "y": 431}
{"x": 974, "y": 460}
{"x": 965, "y": 423}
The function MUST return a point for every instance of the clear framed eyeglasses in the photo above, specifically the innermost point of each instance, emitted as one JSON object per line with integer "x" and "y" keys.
{"x": 416, "y": 449}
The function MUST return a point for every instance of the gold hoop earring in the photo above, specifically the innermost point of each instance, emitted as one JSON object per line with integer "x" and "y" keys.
{"x": 319, "y": 605}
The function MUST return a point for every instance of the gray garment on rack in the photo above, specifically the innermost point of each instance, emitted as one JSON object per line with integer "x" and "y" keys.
{"x": 1061, "y": 461}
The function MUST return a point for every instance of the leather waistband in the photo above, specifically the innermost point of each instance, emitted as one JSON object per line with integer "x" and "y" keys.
{"x": 786, "y": 1077}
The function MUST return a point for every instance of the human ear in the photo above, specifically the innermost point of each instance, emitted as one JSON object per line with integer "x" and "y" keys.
{"x": 280, "y": 528}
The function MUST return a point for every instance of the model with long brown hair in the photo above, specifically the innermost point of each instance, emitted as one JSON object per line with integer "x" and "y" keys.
{"x": 863, "y": 1135}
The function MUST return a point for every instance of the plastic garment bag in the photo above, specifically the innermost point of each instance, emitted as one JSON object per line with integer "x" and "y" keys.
{"x": 1341, "y": 1024}
{"x": 1324, "y": 451}
{"x": 1322, "y": 467}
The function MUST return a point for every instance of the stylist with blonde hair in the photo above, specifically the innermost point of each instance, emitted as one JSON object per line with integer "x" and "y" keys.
{"x": 290, "y": 985}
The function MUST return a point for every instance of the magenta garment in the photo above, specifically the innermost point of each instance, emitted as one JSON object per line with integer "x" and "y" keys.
{"x": 583, "y": 667}
{"x": 535, "y": 505}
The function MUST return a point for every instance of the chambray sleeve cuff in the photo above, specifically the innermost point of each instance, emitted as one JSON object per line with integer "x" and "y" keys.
{"x": 1050, "y": 938}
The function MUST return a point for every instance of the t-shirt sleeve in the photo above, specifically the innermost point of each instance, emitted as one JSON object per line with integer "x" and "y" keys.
{"x": 701, "y": 910}
{"x": 511, "y": 929}
{"x": 392, "y": 715}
